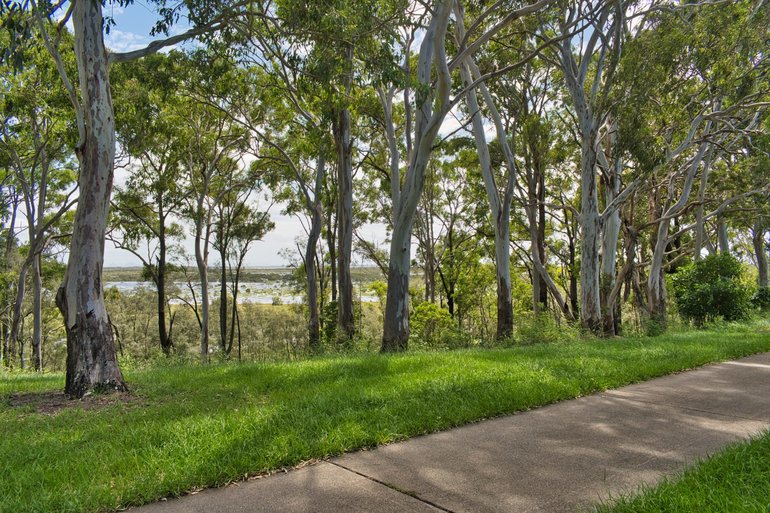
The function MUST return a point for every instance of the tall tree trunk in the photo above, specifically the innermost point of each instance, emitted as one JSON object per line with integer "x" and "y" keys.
{"x": 166, "y": 343}
{"x": 503, "y": 266}
{"x": 760, "y": 252}
{"x": 590, "y": 302}
{"x": 396, "y": 322}
{"x": 37, "y": 313}
{"x": 500, "y": 205}
{"x": 203, "y": 277}
{"x": 345, "y": 318}
{"x": 16, "y": 316}
{"x": 331, "y": 245}
{"x": 542, "y": 297}
{"x": 223, "y": 299}
{"x": 91, "y": 359}
{"x": 610, "y": 252}
{"x": 314, "y": 319}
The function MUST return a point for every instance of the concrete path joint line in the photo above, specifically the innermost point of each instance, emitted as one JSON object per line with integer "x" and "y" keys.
{"x": 392, "y": 487}
{"x": 614, "y": 393}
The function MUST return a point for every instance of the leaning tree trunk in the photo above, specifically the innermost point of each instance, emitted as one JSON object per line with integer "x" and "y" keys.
{"x": 760, "y": 252}
{"x": 500, "y": 206}
{"x": 91, "y": 359}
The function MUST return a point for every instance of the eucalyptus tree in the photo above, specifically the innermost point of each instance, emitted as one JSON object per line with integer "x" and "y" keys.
{"x": 588, "y": 63}
{"x": 345, "y": 45}
{"x": 91, "y": 359}
{"x": 715, "y": 100}
{"x": 431, "y": 106}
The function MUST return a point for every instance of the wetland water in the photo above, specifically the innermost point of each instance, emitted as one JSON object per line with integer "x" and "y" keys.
{"x": 263, "y": 286}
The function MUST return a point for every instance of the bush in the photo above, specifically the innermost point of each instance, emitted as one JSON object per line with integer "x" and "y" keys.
{"x": 761, "y": 298}
{"x": 431, "y": 325}
{"x": 711, "y": 288}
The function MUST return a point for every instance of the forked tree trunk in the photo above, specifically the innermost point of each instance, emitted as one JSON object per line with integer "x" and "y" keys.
{"x": 91, "y": 359}
{"x": 395, "y": 335}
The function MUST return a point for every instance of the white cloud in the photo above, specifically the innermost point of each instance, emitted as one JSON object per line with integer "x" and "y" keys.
{"x": 120, "y": 41}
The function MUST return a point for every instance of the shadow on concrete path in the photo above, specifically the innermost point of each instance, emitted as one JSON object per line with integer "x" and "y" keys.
{"x": 559, "y": 458}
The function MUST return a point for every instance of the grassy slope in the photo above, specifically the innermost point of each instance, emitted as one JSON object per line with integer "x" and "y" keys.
{"x": 736, "y": 480}
{"x": 194, "y": 427}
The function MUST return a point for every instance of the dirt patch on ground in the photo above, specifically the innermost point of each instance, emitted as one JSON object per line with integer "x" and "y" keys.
{"x": 51, "y": 403}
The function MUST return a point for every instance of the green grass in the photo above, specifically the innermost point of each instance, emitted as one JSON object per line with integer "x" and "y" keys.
{"x": 736, "y": 480}
{"x": 192, "y": 427}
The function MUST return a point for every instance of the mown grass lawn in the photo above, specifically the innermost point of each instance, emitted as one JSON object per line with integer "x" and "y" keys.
{"x": 192, "y": 427}
{"x": 736, "y": 480}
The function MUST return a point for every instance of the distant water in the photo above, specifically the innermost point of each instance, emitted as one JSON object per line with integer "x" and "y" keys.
{"x": 263, "y": 293}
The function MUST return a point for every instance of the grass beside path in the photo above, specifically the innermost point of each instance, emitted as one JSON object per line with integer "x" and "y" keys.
{"x": 736, "y": 480}
{"x": 192, "y": 427}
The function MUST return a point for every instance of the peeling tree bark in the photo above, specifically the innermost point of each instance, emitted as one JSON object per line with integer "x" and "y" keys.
{"x": 91, "y": 359}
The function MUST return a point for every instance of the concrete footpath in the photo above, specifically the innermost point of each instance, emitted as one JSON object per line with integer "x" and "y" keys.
{"x": 560, "y": 458}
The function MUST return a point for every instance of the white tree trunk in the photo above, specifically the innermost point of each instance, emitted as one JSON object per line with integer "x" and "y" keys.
{"x": 91, "y": 359}
{"x": 610, "y": 253}
{"x": 432, "y": 51}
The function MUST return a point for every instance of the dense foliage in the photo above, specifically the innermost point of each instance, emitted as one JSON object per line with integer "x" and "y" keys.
{"x": 712, "y": 288}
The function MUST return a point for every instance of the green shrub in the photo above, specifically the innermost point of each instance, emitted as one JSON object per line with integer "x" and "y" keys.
{"x": 761, "y": 298}
{"x": 711, "y": 288}
{"x": 431, "y": 326}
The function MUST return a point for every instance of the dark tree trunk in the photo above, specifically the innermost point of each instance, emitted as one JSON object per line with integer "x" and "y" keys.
{"x": 760, "y": 252}
{"x": 91, "y": 359}
{"x": 395, "y": 336}
{"x": 345, "y": 318}
{"x": 166, "y": 343}
{"x": 314, "y": 320}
